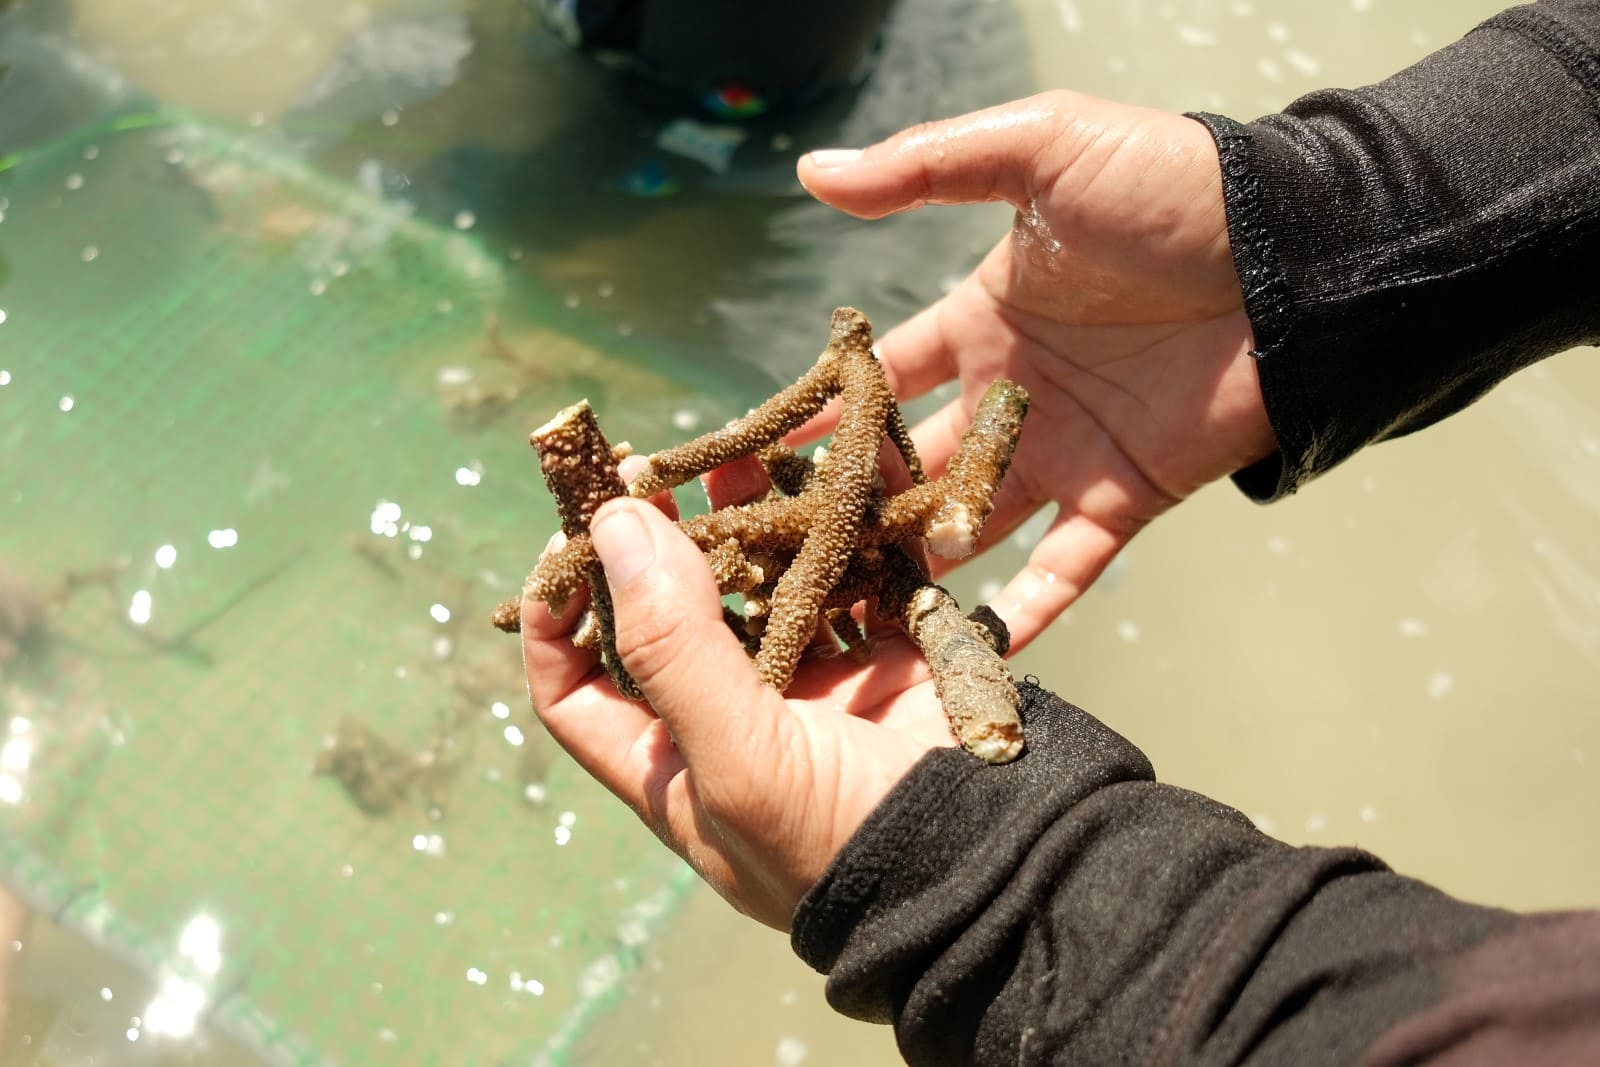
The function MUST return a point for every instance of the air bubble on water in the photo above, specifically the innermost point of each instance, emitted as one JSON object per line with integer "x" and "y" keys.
{"x": 684, "y": 419}
{"x": 1369, "y": 814}
{"x": 1128, "y": 630}
{"x": 1305, "y": 64}
{"x": 65, "y": 403}
{"x": 389, "y": 117}
{"x": 74, "y": 182}
{"x": 139, "y": 609}
{"x": 90, "y": 253}
{"x": 465, "y": 219}
{"x": 531, "y": 986}
{"x": 1440, "y": 684}
{"x": 791, "y": 1051}
{"x": 385, "y": 519}
{"x": 1315, "y": 824}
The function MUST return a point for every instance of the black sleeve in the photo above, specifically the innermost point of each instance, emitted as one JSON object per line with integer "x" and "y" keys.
{"x": 1066, "y": 908}
{"x": 1405, "y": 246}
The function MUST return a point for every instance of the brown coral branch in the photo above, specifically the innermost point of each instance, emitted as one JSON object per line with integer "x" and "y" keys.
{"x": 786, "y": 410}
{"x": 948, "y": 510}
{"x": 836, "y": 495}
{"x": 974, "y": 685}
{"x": 825, "y": 539}
{"x": 580, "y": 469}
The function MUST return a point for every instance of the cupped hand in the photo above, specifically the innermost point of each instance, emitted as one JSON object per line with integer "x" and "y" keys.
{"x": 1113, "y": 301}
{"x": 756, "y": 790}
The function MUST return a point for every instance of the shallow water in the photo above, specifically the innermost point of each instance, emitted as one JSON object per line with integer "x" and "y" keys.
{"x": 1404, "y": 657}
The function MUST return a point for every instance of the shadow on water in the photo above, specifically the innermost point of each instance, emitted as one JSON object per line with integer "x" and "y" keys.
{"x": 563, "y": 161}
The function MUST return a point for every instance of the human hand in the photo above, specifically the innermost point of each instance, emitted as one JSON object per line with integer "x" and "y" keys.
{"x": 756, "y": 790}
{"x": 1113, "y": 301}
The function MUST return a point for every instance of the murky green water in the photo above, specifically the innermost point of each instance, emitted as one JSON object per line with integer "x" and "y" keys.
{"x": 1405, "y": 657}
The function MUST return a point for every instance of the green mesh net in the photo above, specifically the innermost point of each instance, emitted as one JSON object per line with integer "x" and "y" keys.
{"x": 263, "y": 474}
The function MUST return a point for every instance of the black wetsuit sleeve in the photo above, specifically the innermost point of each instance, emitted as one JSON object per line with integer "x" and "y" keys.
{"x": 1405, "y": 246}
{"x": 1068, "y": 909}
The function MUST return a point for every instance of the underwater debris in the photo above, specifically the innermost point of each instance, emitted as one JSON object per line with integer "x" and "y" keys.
{"x": 825, "y": 539}
{"x": 379, "y": 776}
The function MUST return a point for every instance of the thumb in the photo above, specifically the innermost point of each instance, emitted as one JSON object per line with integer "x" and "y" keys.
{"x": 673, "y": 641}
{"x": 983, "y": 156}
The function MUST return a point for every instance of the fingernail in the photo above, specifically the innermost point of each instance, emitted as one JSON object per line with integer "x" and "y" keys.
{"x": 622, "y": 543}
{"x": 833, "y": 158}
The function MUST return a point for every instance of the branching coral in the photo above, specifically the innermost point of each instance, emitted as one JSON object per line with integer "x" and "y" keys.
{"x": 825, "y": 539}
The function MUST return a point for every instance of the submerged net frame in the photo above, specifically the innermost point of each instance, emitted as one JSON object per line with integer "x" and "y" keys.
{"x": 210, "y": 336}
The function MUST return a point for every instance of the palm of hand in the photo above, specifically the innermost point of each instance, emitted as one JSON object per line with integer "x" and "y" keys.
{"x": 756, "y": 790}
{"x": 1115, "y": 303}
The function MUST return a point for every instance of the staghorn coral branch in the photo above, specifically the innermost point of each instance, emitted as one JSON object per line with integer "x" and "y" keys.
{"x": 974, "y": 685}
{"x": 837, "y": 497}
{"x": 580, "y": 469}
{"x": 901, "y": 436}
{"x": 850, "y": 336}
{"x": 948, "y": 510}
{"x": 965, "y": 492}
{"x": 825, "y": 538}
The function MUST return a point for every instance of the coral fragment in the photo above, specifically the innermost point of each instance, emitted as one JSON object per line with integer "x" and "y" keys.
{"x": 823, "y": 540}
